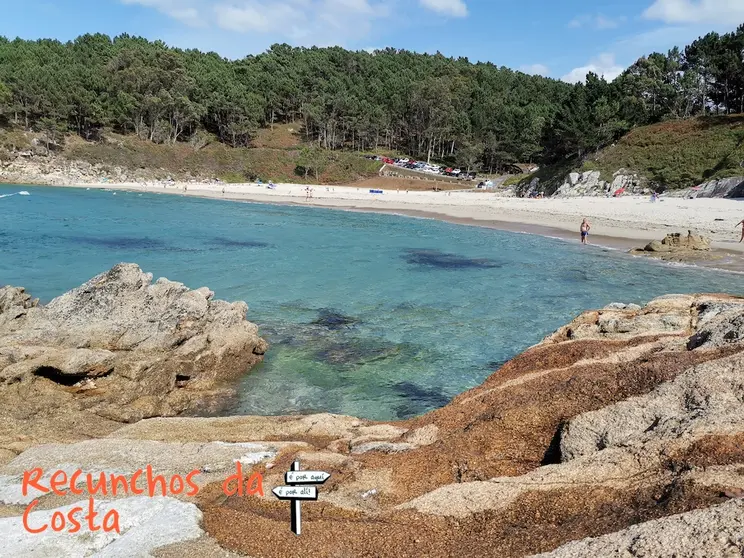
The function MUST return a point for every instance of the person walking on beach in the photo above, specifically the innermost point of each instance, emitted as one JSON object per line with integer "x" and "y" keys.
{"x": 585, "y": 226}
{"x": 742, "y": 230}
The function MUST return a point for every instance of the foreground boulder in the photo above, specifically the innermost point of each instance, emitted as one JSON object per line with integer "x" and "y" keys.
{"x": 115, "y": 350}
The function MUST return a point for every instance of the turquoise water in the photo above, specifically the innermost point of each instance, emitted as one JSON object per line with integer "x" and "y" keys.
{"x": 369, "y": 315}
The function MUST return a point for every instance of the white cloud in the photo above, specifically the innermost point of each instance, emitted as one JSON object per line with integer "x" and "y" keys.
{"x": 535, "y": 69}
{"x": 256, "y": 16}
{"x": 184, "y": 11}
{"x": 696, "y": 11}
{"x": 300, "y": 22}
{"x": 454, "y": 8}
{"x": 598, "y": 21}
{"x": 603, "y": 65}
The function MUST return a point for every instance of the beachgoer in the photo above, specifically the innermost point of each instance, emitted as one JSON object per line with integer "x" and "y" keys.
{"x": 585, "y": 226}
{"x": 742, "y": 230}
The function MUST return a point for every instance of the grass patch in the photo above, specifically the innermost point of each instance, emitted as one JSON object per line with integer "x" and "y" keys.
{"x": 281, "y": 136}
{"x": 514, "y": 179}
{"x": 12, "y": 140}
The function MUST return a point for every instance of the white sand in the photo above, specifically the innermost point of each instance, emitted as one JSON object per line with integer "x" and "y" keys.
{"x": 628, "y": 218}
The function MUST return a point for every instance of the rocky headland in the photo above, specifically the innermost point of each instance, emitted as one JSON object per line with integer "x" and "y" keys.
{"x": 621, "y": 434}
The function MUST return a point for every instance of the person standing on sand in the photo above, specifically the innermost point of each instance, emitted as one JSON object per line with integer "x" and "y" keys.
{"x": 585, "y": 226}
{"x": 742, "y": 229}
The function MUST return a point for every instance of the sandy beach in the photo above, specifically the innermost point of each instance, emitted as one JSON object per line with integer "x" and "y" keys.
{"x": 621, "y": 223}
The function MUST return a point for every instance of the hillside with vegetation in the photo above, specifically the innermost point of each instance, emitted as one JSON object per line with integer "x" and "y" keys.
{"x": 670, "y": 155}
{"x": 278, "y": 155}
{"x": 677, "y": 153}
{"x": 184, "y": 108}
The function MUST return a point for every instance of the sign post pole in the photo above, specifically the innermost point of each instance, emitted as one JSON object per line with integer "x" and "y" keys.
{"x": 296, "y": 512}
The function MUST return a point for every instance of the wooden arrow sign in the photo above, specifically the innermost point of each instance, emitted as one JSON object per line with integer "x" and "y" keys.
{"x": 296, "y": 492}
{"x": 299, "y": 491}
{"x": 306, "y": 477}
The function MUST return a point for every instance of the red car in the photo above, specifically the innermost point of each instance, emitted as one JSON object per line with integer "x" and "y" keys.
{"x": 388, "y": 161}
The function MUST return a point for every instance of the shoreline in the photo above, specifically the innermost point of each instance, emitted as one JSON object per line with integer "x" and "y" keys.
{"x": 620, "y": 223}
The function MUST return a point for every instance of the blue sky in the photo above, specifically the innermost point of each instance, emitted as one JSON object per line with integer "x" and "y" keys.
{"x": 560, "y": 38}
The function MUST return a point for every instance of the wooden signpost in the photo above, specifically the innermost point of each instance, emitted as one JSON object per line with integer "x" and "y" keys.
{"x": 298, "y": 490}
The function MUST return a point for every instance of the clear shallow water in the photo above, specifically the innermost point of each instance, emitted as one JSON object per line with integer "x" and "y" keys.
{"x": 369, "y": 315}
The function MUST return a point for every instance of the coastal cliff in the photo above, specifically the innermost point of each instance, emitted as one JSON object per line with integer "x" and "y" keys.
{"x": 619, "y": 434}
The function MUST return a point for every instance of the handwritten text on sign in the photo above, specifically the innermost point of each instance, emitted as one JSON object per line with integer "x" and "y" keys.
{"x": 296, "y": 492}
{"x": 306, "y": 477}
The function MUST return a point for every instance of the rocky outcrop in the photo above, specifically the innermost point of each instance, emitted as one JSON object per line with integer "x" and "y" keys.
{"x": 32, "y": 167}
{"x": 118, "y": 349}
{"x": 589, "y": 183}
{"x": 721, "y": 188}
{"x": 624, "y": 428}
{"x": 677, "y": 247}
{"x": 676, "y": 241}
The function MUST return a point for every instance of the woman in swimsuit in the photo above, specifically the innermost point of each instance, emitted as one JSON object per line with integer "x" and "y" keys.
{"x": 585, "y": 226}
{"x": 742, "y": 230}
